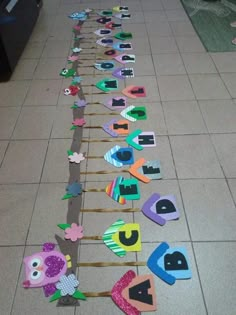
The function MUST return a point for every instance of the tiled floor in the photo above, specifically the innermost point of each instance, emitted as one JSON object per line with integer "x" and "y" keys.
{"x": 191, "y": 108}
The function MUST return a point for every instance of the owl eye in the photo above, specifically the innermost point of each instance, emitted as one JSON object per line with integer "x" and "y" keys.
{"x": 35, "y": 274}
{"x": 67, "y": 91}
{"x": 35, "y": 262}
{"x": 64, "y": 71}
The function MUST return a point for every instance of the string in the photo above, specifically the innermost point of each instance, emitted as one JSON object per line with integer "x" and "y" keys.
{"x": 102, "y": 114}
{"x": 111, "y": 264}
{"x": 94, "y": 238}
{"x": 102, "y": 140}
{"x": 104, "y": 172}
{"x": 97, "y": 294}
{"x": 94, "y": 190}
{"x": 111, "y": 210}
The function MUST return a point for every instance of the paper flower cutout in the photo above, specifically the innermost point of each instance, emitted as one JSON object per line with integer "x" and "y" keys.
{"x": 76, "y": 157}
{"x": 73, "y": 58}
{"x": 76, "y": 49}
{"x": 74, "y": 233}
{"x": 74, "y": 189}
{"x": 77, "y": 27}
{"x": 67, "y": 285}
{"x": 76, "y": 79}
{"x": 79, "y": 122}
{"x": 81, "y": 103}
{"x": 71, "y": 90}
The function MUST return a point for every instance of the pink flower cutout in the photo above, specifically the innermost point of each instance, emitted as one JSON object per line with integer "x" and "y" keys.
{"x": 73, "y": 58}
{"x": 79, "y": 122}
{"x": 77, "y": 27}
{"x": 74, "y": 233}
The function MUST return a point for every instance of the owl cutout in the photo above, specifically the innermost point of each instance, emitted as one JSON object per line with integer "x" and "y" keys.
{"x": 45, "y": 268}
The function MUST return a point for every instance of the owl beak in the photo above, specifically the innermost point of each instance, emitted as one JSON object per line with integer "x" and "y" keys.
{"x": 39, "y": 268}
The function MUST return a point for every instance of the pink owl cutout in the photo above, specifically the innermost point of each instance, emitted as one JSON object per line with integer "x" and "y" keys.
{"x": 44, "y": 269}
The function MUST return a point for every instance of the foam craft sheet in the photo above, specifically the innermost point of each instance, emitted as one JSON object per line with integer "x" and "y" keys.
{"x": 123, "y": 36}
{"x": 123, "y": 237}
{"x": 134, "y": 294}
{"x": 139, "y": 139}
{"x": 123, "y": 73}
{"x": 119, "y": 156}
{"x": 76, "y": 157}
{"x": 161, "y": 209}
{"x": 120, "y": 46}
{"x": 105, "y": 65}
{"x": 103, "y": 20}
{"x": 108, "y": 85}
{"x": 79, "y": 122}
{"x": 67, "y": 72}
{"x": 116, "y": 103}
{"x": 111, "y": 53}
{"x": 112, "y": 26}
{"x": 134, "y": 91}
{"x": 106, "y": 13}
{"x": 128, "y": 237}
{"x": 78, "y": 15}
{"x": 135, "y": 170}
{"x": 116, "y": 127}
{"x": 103, "y": 32}
{"x": 73, "y": 231}
{"x": 44, "y": 269}
{"x": 123, "y": 16}
{"x": 169, "y": 264}
{"x": 110, "y": 190}
{"x": 141, "y": 293}
{"x": 105, "y": 41}
{"x": 145, "y": 139}
{"x": 76, "y": 80}
{"x": 120, "y": 9}
{"x": 126, "y": 188}
{"x": 72, "y": 58}
{"x": 71, "y": 90}
{"x": 125, "y": 58}
{"x": 133, "y": 113}
{"x": 76, "y": 49}
{"x": 151, "y": 169}
{"x": 79, "y": 103}
{"x": 73, "y": 190}
{"x": 67, "y": 285}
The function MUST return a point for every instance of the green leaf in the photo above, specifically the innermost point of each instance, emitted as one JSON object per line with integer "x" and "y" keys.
{"x": 79, "y": 295}
{"x": 66, "y": 196}
{"x": 56, "y": 296}
{"x": 73, "y": 127}
{"x": 69, "y": 152}
{"x": 63, "y": 226}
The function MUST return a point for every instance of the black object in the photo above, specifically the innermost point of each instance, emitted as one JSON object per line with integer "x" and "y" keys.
{"x": 20, "y": 17}
{"x": 139, "y": 292}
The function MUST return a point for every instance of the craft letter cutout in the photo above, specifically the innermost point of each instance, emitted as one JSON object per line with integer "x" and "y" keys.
{"x": 116, "y": 127}
{"x": 134, "y": 294}
{"x": 123, "y": 237}
{"x": 125, "y": 58}
{"x": 105, "y": 65}
{"x": 161, "y": 209}
{"x": 107, "y": 85}
{"x": 116, "y": 103}
{"x": 169, "y": 264}
{"x": 133, "y": 113}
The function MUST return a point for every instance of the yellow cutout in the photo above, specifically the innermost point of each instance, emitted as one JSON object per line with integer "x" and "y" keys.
{"x": 128, "y": 237}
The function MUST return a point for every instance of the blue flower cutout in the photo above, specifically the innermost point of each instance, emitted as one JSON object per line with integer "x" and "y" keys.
{"x": 74, "y": 189}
